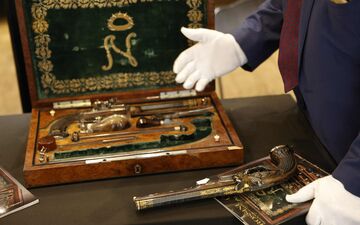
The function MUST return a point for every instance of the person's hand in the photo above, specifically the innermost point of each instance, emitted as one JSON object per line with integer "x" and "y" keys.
{"x": 332, "y": 203}
{"x": 214, "y": 55}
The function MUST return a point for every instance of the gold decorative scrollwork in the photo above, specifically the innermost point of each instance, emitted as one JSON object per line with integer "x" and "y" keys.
{"x": 47, "y": 80}
{"x": 108, "y": 82}
{"x": 42, "y": 50}
{"x": 38, "y": 12}
{"x": 44, "y": 65}
{"x": 193, "y": 3}
{"x": 74, "y": 4}
{"x": 195, "y": 15}
{"x": 40, "y": 26}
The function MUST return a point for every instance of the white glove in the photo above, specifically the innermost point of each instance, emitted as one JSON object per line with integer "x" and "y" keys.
{"x": 214, "y": 55}
{"x": 332, "y": 204}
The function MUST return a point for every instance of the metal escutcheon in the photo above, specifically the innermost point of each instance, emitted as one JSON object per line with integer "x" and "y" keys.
{"x": 137, "y": 169}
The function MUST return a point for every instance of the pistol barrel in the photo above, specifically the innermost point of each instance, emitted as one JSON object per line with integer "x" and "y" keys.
{"x": 186, "y": 195}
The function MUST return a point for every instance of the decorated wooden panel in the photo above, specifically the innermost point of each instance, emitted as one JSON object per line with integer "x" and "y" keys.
{"x": 78, "y": 47}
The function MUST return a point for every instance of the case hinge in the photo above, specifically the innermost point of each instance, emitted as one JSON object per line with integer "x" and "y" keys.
{"x": 72, "y": 104}
{"x": 177, "y": 94}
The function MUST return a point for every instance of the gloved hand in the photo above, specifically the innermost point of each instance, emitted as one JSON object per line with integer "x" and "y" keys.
{"x": 214, "y": 55}
{"x": 332, "y": 203}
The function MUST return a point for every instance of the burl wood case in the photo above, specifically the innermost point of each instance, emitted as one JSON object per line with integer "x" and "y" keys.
{"x": 104, "y": 97}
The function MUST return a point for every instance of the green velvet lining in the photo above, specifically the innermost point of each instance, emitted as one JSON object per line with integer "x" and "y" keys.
{"x": 203, "y": 129}
{"x": 67, "y": 43}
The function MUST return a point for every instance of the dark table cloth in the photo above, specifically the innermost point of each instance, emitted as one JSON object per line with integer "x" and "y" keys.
{"x": 261, "y": 123}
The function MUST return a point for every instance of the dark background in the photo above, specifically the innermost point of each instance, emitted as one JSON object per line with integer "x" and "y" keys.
{"x": 2, "y": 9}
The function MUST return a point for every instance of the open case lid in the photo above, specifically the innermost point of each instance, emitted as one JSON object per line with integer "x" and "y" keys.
{"x": 81, "y": 49}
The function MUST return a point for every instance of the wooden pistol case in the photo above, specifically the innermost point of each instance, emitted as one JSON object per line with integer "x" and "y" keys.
{"x": 80, "y": 54}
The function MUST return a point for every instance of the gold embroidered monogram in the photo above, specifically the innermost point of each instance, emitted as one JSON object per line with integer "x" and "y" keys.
{"x": 110, "y": 44}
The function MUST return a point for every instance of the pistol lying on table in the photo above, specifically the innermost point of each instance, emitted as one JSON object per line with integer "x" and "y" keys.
{"x": 282, "y": 167}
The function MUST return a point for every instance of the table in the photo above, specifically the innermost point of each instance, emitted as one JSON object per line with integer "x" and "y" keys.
{"x": 261, "y": 122}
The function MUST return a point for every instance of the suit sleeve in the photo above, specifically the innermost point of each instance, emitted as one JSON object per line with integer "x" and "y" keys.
{"x": 348, "y": 170}
{"x": 259, "y": 34}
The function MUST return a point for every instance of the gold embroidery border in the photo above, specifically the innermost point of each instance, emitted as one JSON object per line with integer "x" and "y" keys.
{"x": 49, "y": 81}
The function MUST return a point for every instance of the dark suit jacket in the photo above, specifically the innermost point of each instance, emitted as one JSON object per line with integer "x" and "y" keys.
{"x": 329, "y": 72}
